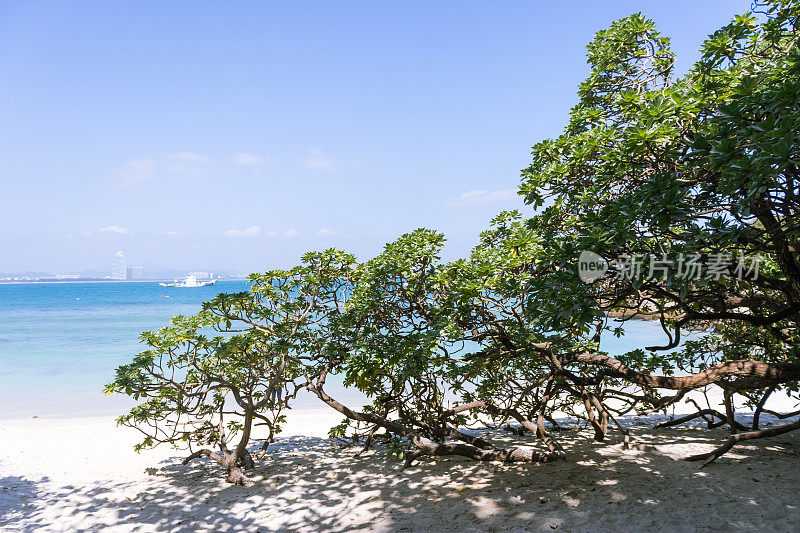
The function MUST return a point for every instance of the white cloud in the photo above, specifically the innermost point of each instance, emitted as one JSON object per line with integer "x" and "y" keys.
{"x": 317, "y": 160}
{"x": 175, "y": 233}
{"x": 189, "y": 157}
{"x": 136, "y": 172}
{"x": 250, "y": 159}
{"x": 252, "y": 231}
{"x": 116, "y": 229}
{"x": 480, "y": 197}
{"x": 291, "y": 233}
{"x": 325, "y": 232}
{"x": 188, "y": 163}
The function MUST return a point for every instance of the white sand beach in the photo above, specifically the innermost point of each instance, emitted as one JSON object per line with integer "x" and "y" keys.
{"x": 82, "y": 475}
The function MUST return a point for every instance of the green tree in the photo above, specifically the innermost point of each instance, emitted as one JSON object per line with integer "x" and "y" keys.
{"x": 399, "y": 341}
{"x": 650, "y": 166}
{"x": 212, "y": 391}
{"x": 704, "y": 164}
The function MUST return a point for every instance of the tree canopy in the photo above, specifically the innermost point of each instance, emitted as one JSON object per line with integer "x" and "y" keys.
{"x": 685, "y": 188}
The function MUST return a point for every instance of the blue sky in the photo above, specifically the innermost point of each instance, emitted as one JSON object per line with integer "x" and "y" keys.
{"x": 239, "y": 135}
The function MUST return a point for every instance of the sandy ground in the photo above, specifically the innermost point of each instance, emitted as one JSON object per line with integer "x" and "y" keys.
{"x": 82, "y": 475}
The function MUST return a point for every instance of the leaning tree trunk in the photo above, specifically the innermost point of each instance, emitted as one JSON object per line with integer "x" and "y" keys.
{"x": 233, "y": 461}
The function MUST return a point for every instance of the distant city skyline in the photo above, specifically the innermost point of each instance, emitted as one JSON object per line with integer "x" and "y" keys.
{"x": 237, "y": 137}
{"x": 119, "y": 271}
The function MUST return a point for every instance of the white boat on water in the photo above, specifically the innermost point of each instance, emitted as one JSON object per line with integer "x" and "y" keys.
{"x": 189, "y": 281}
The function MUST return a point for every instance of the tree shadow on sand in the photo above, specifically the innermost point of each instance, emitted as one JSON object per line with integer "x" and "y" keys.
{"x": 307, "y": 483}
{"x": 17, "y": 496}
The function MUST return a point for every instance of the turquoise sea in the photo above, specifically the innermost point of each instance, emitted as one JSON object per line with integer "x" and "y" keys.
{"x": 60, "y": 342}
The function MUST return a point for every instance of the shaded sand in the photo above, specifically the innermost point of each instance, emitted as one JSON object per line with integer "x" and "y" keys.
{"x": 81, "y": 475}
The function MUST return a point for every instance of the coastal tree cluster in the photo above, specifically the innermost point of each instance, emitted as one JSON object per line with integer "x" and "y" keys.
{"x": 652, "y": 173}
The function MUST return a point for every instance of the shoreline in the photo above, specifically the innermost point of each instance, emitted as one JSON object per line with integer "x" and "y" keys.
{"x": 95, "y": 404}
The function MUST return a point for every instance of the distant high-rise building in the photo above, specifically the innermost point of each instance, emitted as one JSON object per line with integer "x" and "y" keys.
{"x": 137, "y": 273}
{"x": 120, "y": 270}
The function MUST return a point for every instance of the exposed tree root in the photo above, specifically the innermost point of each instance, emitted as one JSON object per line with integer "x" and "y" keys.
{"x": 739, "y": 437}
{"x": 781, "y": 416}
{"x": 424, "y": 446}
{"x": 702, "y": 413}
{"x": 525, "y": 455}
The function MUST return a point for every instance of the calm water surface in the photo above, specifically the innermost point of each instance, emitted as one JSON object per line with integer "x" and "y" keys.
{"x": 61, "y": 342}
